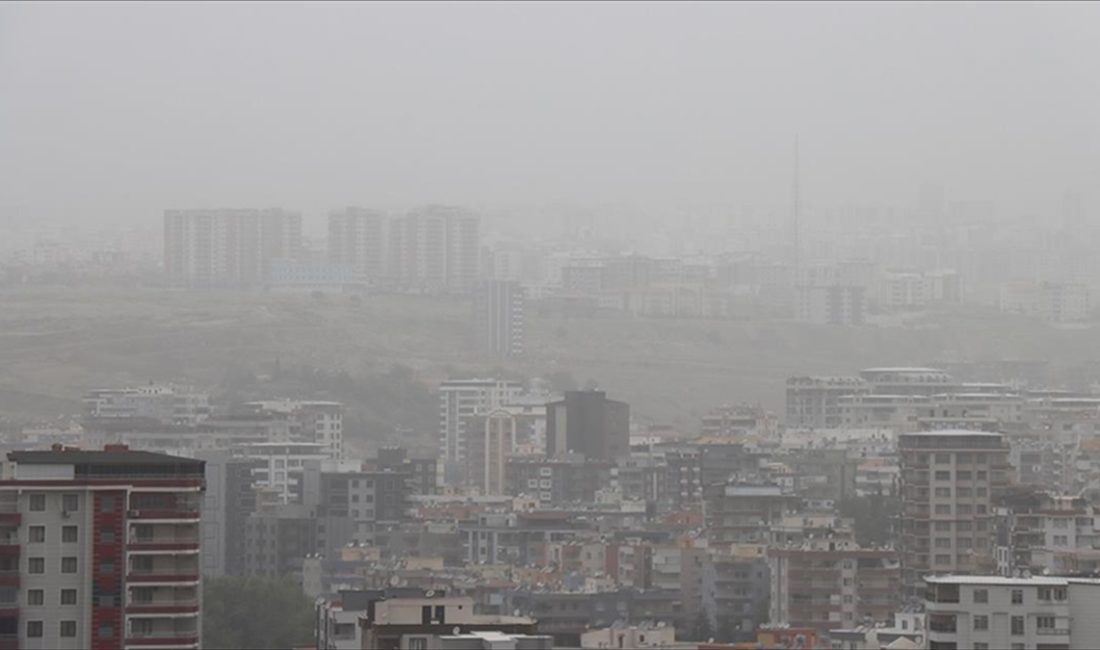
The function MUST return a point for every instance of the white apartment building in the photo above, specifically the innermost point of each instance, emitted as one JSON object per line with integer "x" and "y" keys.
{"x": 282, "y": 465}
{"x": 164, "y": 404}
{"x": 311, "y": 421}
{"x": 460, "y": 399}
{"x": 993, "y": 612}
{"x": 211, "y": 248}
{"x": 357, "y": 241}
{"x": 813, "y": 402}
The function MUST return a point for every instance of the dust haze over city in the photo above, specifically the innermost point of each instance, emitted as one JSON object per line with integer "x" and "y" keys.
{"x": 549, "y": 325}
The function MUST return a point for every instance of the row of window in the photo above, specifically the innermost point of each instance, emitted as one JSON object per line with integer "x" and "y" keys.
{"x": 36, "y": 502}
{"x": 37, "y": 534}
{"x": 38, "y": 597}
{"x": 37, "y": 565}
{"x": 69, "y": 502}
{"x": 67, "y": 629}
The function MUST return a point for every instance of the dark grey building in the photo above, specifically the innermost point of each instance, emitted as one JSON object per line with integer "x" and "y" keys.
{"x": 586, "y": 422}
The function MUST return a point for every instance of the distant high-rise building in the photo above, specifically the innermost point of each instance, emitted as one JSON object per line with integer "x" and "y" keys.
{"x": 588, "y": 423}
{"x": 228, "y": 248}
{"x": 435, "y": 249}
{"x": 949, "y": 481}
{"x": 357, "y": 241}
{"x": 461, "y": 399}
{"x": 490, "y": 441}
{"x": 499, "y": 317}
{"x": 103, "y": 549}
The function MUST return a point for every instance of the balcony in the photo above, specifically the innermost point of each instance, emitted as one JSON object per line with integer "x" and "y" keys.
{"x": 1052, "y": 631}
{"x": 161, "y": 514}
{"x": 160, "y": 639}
{"x": 165, "y": 607}
{"x": 164, "y": 575}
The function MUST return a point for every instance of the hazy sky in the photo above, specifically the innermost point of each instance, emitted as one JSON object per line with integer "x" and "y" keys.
{"x": 116, "y": 111}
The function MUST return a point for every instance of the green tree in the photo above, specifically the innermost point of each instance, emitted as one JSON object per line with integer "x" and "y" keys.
{"x": 255, "y": 613}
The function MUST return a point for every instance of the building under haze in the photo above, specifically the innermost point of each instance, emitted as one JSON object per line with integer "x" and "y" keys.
{"x": 102, "y": 549}
{"x": 460, "y": 400}
{"x": 949, "y": 483}
{"x": 435, "y": 249}
{"x": 499, "y": 317}
{"x": 586, "y": 422}
{"x": 228, "y": 248}
{"x": 357, "y": 241}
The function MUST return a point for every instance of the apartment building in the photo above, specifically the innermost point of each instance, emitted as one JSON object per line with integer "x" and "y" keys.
{"x": 490, "y": 443}
{"x": 950, "y": 481}
{"x": 586, "y": 422}
{"x": 993, "y": 612}
{"x": 228, "y": 248}
{"x": 316, "y": 421}
{"x": 743, "y": 512}
{"x": 281, "y": 465}
{"x": 499, "y": 318}
{"x": 459, "y": 400}
{"x": 814, "y": 402}
{"x": 401, "y": 623}
{"x": 357, "y": 242}
{"x": 435, "y": 249}
{"x": 101, "y": 549}
{"x": 827, "y": 584}
{"x": 161, "y": 404}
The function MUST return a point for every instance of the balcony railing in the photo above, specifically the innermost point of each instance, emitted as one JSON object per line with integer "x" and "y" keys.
{"x": 1052, "y": 631}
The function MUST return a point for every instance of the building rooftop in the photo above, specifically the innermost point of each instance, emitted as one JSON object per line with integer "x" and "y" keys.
{"x": 111, "y": 455}
{"x": 1009, "y": 582}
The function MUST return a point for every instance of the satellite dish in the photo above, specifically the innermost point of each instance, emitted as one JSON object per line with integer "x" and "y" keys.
{"x": 394, "y": 581}
{"x": 429, "y": 593}
{"x": 457, "y": 630}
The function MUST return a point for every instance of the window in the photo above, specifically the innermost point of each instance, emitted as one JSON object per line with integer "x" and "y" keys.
{"x": 106, "y": 631}
{"x": 418, "y": 643}
{"x": 1059, "y": 593}
{"x": 1017, "y": 626}
{"x": 963, "y": 542}
{"x": 962, "y": 475}
{"x": 107, "y": 535}
{"x": 70, "y": 502}
{"x": 980, "y": 475}
{"x": 981, "y": 646}
{"x": 36, "y": 534}
{"x": 107, "y": 504}
{"x": 981, "y": 623}
{"x": 1017, "y": 596}
{"x": 943, "y": 559}
{"x": 981, "y": 492}
{"x": 1044, "y": 622}
{"x": 964, "y": 492}
{"x": 106, "y": 567}
{"x": 943, "y": 459}
{"x": 68, "y": 596}
{"x": 68, "y": 534}
{"x": 981, "y": 595}
{"x": 36, "y": 565}
{"x": 962, "y": 509}
{"x": 980, "y": 509}
{"x": 34, "y": 629}
{"x": 68, "y": 565}
{"x": 943, "y": 492}
{"x": 355, "y": 498}
{"x": 68, "y": 629}
{"x": 943, "y": 509}
{"x": 847, "y": 600}
{"x": 943, "y": 526}
{"x": 1061, "y": 540}
{"x": 37, "y": 504}
{"x": 36, "y": 597}
{"x": 943, "y": 542}
{"x": 943, "y": 476}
